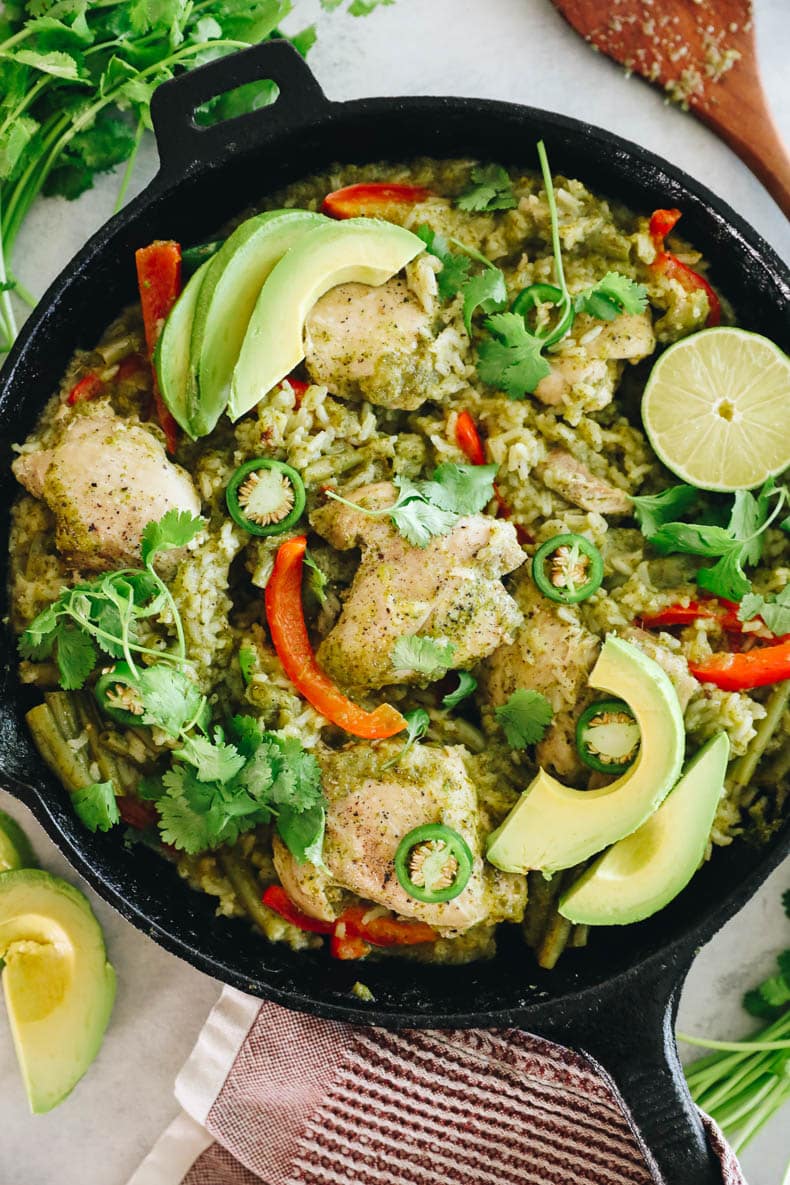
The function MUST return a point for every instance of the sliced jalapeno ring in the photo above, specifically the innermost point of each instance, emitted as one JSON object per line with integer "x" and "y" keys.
{"x": 265, "y": 497}
{"x": 535, "y": 294}
{"x": 433, "y": 863}
{"x": 568, "y": 568}
{"x": 607, "y": 736}
{"x": 116, "y": 695}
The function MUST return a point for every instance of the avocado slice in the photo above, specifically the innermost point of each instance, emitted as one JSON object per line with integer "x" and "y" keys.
{"x": 15, "y": 849}
{"x": 362, "y": 250}
{"x": 646, "y": 870}
{"x": 228, "y": 292}
{"x": 59, "y": 987}
{"x": 172, "y": 357}
{"x": 552, "y": 826}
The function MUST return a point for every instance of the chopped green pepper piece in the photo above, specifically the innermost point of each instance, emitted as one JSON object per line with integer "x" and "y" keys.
{"x": 117, "y": 696}
{"x": 528, "y": 298}
{"x": 568, "y": 568}
{"x": 433, "y": 863}
{"x": 265, "y": 497}
{"x": 607, "y": 736}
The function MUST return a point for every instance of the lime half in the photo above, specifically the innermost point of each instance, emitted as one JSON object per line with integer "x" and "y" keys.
{"x": 716, "y": 409}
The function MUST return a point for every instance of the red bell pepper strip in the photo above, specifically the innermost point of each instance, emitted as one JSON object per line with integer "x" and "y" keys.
{"x": 289, "y": 635}
{"x": 277, "y": 899}
{"x": 159, "y": 280}
{"x": 343, "y": 946}
{"x": 371, "y": 199}
{"x": 726, "y": 612}
{"x": 88, "y": 387}
{"x": 468, "y": 439}
{"x": 360, "y": 921}
{"x": 137, "y": 813}
{"x": 298, "y": 386}
{"x": 741, "y": 672}
{"x": 661, "y": 223}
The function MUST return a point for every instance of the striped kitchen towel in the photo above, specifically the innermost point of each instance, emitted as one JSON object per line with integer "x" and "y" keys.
{"x": 275, "y": 1097}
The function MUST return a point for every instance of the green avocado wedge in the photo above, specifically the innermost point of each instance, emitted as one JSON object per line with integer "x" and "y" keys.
{"x": 228, "y": 292}
{"x": 171, "y": 356}
{"x": 553, "y": 826}
{"x": 646, "y": 870}
{"x": 363, "y": 250}
{"x": 59, "y": 988}
{"x": 15, "y": 849}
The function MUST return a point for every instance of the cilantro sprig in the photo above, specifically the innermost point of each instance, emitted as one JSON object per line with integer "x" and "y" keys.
{"x": 734, "y": 547}
{"x": 425, "y": 509}
{"x": 490, "y": 189}
{"x": 610, "y": 296}
{"x": 524, "y": 717}
{"x": 105, "y": 614}
{"x": 417, "y": 724}
{"x": 467, "y": 684}
{"x": 485, "y": 291}
{"x": 774, "y": 611}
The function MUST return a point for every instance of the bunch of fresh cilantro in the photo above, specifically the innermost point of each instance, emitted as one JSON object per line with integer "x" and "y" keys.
{"x": 76, "y": 80}
{"x": 736, "y": 545}
{"x": 425, "y": 509}
{"x": 216, "y": 788}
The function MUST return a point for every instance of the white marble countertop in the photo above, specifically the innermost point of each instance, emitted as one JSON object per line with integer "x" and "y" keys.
{"x": 509, "y": 49}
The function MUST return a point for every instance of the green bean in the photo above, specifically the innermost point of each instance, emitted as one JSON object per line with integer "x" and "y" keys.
{"x": 539, "y": 902}
{"x": 744, "y": 768}
{"x": 245, "y": 883}
{"x": 70, "y": 765}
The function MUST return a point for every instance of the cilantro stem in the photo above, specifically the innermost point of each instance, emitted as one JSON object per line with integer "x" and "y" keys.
{"x": 97, "y": 632}
{"x": 127, "y": 173}
{"x": 362, "y": 509}
{"x": 548, "y": 185}
{"x": 5, "y": 296}
{"x": 182, "y": 646}
{"x": 733, "y": 1046}
{"x": 472, "y": 253}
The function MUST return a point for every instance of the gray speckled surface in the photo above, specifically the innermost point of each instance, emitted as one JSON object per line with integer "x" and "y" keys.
{"x": 511, "y": 49}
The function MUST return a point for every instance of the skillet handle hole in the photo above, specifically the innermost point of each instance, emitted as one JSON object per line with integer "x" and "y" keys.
{"x": 239, "y": 100}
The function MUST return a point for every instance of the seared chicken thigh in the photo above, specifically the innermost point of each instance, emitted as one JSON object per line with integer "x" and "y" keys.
{"x": 104, "y": 480}
{"x": 628, "y": 337}
{"x": 553, "y": 653}
{"x": 370, "y": 809}
{"x": 371, "y": 343}
{"x": 574, "y": 482}
{"x": 450, "y": 590}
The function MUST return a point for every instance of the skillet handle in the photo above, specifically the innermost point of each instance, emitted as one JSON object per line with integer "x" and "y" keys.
{"x": 627, "y": 1029}
{"x": 183, "y": 144}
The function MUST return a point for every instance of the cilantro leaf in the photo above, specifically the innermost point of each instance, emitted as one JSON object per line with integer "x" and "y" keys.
{"x": 76, "y": 657}
{"x": 302, "y": 832}
{"x": 297, "y": 781}
{"x": 56, "y": 62}
{"x": 170, "y": 699}
{"x": 38, "y": 640}
{"x": 491, "y": 189}
{"x": 467, "y": 684}
{"x": 214, "y": 761}
{"x": 775, "y": 613}
{"x": 486, "y": 292}
{"x": 511, "y": 361}
{"x": 462, "y": 489}
{"x": 417, "y": 724}
{"x": 455, "y": 268}
{"x": 427, "y": 656}
{"x": 174, "y": 529}
{"x": 652, "y": 511}
{"x": 366, "y": 7}
{"x": 726, "y": 578}
{"x": 524, "y": 718}
{"x": 95, "y": 806}
{"x": 419, "y": 521}
{"x": 247, "y": 733}
{"x": 316, "y": 579}
{"x": 611, "y": 296}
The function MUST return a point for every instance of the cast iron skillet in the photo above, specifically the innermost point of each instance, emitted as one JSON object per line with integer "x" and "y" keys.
{"x": 617, "y": 999}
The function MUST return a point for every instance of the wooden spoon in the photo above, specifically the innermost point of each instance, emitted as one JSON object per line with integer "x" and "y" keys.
{"x": 702, "y": 52}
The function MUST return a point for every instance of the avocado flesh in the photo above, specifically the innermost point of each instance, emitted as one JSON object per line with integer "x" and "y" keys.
{"x": 552, "y": 826}
{"x": 59, "y": 988}
{"x": 228, "y": 292}
{"x": 171, "y": 356}
{"x": 359, "y": 250}
{"x": 15, "y": 849}
{"x": 646, "y": 870}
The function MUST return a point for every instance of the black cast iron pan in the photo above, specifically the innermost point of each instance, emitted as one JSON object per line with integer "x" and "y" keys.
{"x": 617, "y": 999}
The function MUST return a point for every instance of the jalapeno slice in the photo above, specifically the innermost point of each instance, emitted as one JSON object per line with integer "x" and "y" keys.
{"x": 116, "y": 695}
{"x": 433, "y": 863}
{"x": 535, "y": 294}
{"x": 607, "y": 736}
{"x": 568, "y": 568}
{"x": 265, "y": 497}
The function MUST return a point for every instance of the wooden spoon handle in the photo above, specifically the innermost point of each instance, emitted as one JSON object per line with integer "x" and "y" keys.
{"x": 755, "y": 139}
